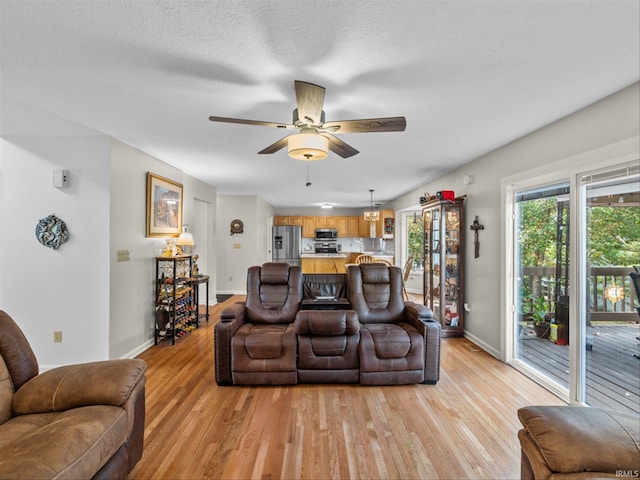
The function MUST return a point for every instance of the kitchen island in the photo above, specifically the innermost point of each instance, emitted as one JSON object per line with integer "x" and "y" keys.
{"x": 323, "y": 262}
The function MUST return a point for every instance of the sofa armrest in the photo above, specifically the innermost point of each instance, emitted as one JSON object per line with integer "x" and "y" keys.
{"x": 421, "y": 318}
{"x": 574, "y": 440}
{"x": 109, "y": 382}
{"x": 231, "y": 319}
{"x": 233, "y": 312}
{"x": 420, "y": 311}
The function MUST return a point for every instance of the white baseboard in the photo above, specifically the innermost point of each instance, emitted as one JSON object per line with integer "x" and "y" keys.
{"x": 138, "y": 350}
{"x": 487, "y": 348}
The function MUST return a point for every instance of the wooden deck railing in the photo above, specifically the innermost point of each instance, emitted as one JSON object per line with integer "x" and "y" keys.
{"x": 543, "y": 279}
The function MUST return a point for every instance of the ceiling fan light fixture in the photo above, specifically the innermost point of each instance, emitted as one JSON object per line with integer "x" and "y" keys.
{"x": 308, "y": 146}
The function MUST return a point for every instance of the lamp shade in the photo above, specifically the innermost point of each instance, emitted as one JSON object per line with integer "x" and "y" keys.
{"x": 185, "y": 240}
{"x": 308, "y": 146}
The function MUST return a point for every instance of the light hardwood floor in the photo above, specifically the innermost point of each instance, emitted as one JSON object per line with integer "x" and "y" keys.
{"x": 463, "y": 427}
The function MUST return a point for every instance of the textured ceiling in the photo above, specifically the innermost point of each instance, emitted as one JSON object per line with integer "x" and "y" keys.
{"x": 468, "y": 75}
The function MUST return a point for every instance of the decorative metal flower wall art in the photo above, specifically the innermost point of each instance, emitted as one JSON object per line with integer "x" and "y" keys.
{"x": 51, "y": 232}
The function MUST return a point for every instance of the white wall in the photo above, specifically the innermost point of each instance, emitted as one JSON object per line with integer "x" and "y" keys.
{"x": 104, "y": 308}
{"x": 66, "y": 289}
{"x": 610, "y": 120}
{"x": 132, "y": 283}
{"x": 236, "y": 253}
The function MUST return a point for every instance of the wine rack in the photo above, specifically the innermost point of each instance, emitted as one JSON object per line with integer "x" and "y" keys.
{"x": 176, "y": 311}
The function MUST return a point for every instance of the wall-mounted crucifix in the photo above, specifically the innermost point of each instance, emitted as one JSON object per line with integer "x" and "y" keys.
{"x": 475, "y": 226}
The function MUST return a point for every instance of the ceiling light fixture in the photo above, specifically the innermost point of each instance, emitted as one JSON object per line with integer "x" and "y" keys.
{"x": 372, "y": 215}
{"x": 308, "y": 146}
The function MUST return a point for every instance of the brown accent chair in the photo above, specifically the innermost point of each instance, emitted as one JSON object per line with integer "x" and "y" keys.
{"x": 328, "y": 346}
{"x": 399, "y": 341}
{"x": 74, "y": 421}
{"x": 578, "y": 443}
{"x": 255, "y": 341}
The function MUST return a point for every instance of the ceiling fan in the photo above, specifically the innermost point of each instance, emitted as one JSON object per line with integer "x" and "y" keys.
{"x": 316, "y": 136}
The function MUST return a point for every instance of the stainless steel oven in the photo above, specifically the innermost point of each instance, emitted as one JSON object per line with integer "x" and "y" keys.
{"x": 326, "y": 247}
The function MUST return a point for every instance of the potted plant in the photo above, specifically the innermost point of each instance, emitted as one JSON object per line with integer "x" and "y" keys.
{"x": 539, "y": 314}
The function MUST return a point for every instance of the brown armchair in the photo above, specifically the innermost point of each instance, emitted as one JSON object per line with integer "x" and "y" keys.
{"x": 255, "y": 340}
{"x": 575, "y": 442}
{"x": 74, "y": 421}
{"x": 399, "y": 341}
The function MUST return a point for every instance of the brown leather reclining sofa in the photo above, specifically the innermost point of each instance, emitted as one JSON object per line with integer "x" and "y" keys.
{"x": 380, "y": 340}
{"x": 75, "y": 421}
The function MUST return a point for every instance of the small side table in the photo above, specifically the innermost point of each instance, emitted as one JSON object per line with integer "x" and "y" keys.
{"x": 195, "y": 283}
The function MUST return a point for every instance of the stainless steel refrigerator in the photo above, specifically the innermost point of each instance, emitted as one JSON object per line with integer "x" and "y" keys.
{"x": 287, "y": 244}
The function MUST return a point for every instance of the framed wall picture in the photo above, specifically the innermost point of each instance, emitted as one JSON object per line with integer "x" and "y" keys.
{"x": 164, "y": 206}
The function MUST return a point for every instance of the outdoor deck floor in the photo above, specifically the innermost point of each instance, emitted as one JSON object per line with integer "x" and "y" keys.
{"x": 612, "y": 370}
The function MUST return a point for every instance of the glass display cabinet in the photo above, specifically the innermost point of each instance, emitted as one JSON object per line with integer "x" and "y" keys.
{"x": 444, "y": 263}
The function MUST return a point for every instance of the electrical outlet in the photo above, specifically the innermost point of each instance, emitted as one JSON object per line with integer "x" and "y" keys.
{"x": 231, "y": 278}
{"x": 122, "y": 256}
{"x": 57, "y": 336}
{"x": 236, "y": 245}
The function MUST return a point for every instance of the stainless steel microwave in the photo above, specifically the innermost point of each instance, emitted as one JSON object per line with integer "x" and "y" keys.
{"x": 326, "y": 234}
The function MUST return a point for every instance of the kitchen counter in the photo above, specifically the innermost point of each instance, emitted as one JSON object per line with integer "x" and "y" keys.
{"x": 324, "y": 255}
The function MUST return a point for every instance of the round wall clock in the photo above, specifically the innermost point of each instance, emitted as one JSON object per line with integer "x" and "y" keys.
{"x": 236, "y": 227}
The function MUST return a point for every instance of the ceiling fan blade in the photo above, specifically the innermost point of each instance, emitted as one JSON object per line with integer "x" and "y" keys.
{"x": 340, "y": 147}
{"x": 274, "y": 147}
{"x": 250, "y": 122}
{"x": 365, "y": 125}
{"x": 309, "y": 99}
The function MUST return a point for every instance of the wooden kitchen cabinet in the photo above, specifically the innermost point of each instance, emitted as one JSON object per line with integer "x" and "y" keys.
{"x": 364, "y": 227}
{"x": 343, "y": 227}
{"x": 309, "y": 227}
{"x": 288, "y": 220}
{"x": 352, "y": 226}
{"x": 348, "y": 227}
{"x": 386, "y": 219}
{"x": 444, "y": 263}
{"x": 327, "y": 222}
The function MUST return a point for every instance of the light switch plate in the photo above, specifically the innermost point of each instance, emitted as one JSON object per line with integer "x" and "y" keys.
{"x": 122, "y": 256}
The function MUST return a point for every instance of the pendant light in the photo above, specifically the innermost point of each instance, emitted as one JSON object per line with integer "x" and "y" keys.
{"x": 372, "y": 215}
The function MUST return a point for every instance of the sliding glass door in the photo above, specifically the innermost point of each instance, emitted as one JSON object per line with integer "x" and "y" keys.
{"x": 573, "y": 321}
{"x": 541, "y": 267}
{"x": 610, "y": 345}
